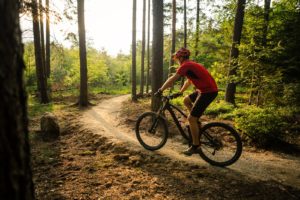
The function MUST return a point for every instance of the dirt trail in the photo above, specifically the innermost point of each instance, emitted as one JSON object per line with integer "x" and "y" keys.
{"x": 267, "y": 166}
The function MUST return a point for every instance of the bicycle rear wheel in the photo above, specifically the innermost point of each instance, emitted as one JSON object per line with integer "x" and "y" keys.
{"x": 221, "y": 145}
{"x": 151, "y": 131}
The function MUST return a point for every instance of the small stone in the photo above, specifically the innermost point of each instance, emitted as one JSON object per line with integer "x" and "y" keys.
{"x": 108, "y": 185}
{"x": 121, "y": 157}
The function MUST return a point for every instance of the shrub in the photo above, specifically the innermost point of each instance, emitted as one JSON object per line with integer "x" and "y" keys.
{"x": 262, "y": 125}
{"x": 217, "y": 108}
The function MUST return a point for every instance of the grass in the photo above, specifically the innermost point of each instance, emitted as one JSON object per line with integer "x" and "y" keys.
{"x": 219, "y": 108}
{"x": 110, "y": 90}
{"x": 36, "y": 109}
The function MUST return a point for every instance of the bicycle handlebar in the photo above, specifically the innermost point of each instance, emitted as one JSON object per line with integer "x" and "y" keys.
{"x": 172, "y": 96}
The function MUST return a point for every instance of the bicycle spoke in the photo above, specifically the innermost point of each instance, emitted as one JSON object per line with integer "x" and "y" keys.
{"x": 220, "y": 145}
{"x": 151, "y": 131}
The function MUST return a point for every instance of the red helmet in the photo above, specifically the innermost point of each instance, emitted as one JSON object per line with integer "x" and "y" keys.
{"x": 182, "y": 52}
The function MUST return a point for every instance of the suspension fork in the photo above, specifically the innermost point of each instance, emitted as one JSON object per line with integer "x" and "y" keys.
{"x": 170, "y": 109}
{"x": 159, "y": 113}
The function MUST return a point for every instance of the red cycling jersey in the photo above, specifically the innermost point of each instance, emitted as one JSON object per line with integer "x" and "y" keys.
{"x": 198, "y": 75}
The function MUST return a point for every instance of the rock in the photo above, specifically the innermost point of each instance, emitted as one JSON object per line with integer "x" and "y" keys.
{"x": 121, "y": 157}
{"x": 49, "y": 125}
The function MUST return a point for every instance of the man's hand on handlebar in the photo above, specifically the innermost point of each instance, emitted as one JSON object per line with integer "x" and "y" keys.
{"x": 172, "y": 96}
{"x": 175, "y": 95}
{"x": 158, "y": 93}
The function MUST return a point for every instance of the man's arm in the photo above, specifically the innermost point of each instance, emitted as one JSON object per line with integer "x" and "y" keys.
{"x": 169, "y": 82}
{"x": 187, "y": 83}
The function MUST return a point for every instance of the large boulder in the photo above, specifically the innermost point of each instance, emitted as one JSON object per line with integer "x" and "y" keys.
{"x": 49, "y": 125}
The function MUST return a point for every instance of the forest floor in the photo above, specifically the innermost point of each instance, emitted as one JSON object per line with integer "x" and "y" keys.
{"x": 98, "y": 157}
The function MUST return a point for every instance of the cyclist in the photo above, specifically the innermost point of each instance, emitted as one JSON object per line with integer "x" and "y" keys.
{"x": 206, "y": 91}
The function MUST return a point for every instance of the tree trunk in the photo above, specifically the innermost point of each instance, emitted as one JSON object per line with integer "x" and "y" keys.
{"x": 41, "y": 10}
{"x": 157, "y": 51}
{"x": 47, "y": 59}
{"x": 143, "y": 49}
{"x": 197, "y": 28}
{"x": 234, "y": 53}
{"x": 41, "y": 79}
{"x": 133, "y": 68}
{"x": 184, "y": 33}
{"x": 255, "y": 82}
{"x": 173, "y": 37}
{"x": 148, "y": 49}
{"x": 15, "y": 170}
{"x": 184, "y": 25}
{"x": 266, "y": 22}
{"x": 83, "y": 97}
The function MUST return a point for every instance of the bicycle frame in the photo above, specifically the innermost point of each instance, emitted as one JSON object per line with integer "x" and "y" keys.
{"x": 169, "y": 107}
{"x": 213, "y": 135}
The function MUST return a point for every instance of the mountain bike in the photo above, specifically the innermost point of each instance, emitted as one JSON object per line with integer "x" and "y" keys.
{"x": 220, "y": 144}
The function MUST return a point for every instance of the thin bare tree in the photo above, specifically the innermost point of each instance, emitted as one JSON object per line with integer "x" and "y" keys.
{"x": 143, "y": 49}
{"x": 184, "y": 24}
{"x": 133, "y": 67}
{"x": 157, "y": 51}
{"x": 148, "y": 48}
{"x": 234, "y": 53}
{"x": 83, "y": 97}
{"x": 197, "y": 28}
{"x": 47, "y": 58}
{"x": 40, "y": 70}
{"x": 173, "y": 42}
{"x": 41, "y": 21}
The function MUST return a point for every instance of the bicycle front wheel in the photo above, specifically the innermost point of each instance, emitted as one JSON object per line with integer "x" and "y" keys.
{"x": 221, "y": 145}
{"x": 151, "y": 131}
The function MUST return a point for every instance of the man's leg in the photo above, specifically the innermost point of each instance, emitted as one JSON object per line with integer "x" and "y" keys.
{"x": 190, "y": 99}
{"x": 194, "y": 127}
{"x": 198, "y": 108}
{"x": 188, "y": 103}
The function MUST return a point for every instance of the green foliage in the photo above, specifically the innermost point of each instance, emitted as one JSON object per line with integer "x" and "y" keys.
{"x": 104, "y": 71}
{"x": 291, "y": 94}
{"x": 217, "y": 108}
{"x": 97, "y": 68}
{"x": 30, "y": 74}
{"x": 262, "y": 125}
{"x": 267, "y": 72}
{"x": 219, "y": 71}
{"x": 37, "y": 109}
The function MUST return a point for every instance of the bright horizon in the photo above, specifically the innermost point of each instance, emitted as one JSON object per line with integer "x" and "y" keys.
{"x": 108, "y": 25}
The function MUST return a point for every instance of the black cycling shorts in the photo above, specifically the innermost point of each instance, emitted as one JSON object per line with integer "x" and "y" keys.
{"x": 201, "y": 101}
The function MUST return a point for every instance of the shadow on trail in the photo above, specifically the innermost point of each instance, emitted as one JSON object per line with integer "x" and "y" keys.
{"x": 186, "y": 181}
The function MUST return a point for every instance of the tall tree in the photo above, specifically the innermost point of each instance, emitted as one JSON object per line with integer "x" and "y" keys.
{"x": 143, "y": 49}
{"x": 197, "y": 28}
{"x": 266, "y": 21}
{"x": 41, "y": 11}
{"x": 184, "y": 33}
{"x": 184, "y": 24}
{"x": 157, "y": 51}
{"x": 234, "y": 52}
{"x": 148, "y": 48}
{"x": 83, "y": 97}
{"x": 173, "y": 36}
{"x": 41, "y": 78}
{"x": 47, "y": 58}
{"x": 254, "y": 82}
{"x": 15, "y": 170}
{"x": 133, "y": 67}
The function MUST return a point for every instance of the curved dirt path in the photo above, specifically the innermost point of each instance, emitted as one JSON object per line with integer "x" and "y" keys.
{"x": 285, "y": 169}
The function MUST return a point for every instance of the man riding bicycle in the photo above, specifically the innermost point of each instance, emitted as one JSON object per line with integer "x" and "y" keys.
{"x": 206, "y": 91}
